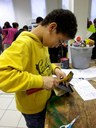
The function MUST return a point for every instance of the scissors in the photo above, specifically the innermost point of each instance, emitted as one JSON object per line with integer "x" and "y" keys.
{"x": 70, "y": 124}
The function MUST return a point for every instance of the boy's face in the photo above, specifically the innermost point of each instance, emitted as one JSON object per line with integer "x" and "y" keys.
{"x": 53, "y": 39}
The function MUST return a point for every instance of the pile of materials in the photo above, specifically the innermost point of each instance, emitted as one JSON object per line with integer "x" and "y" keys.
{"x": 78, "y": 42}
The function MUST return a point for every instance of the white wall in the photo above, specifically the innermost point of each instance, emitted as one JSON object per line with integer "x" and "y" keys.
{"x": 53, "y": 4}
{"x": 80, "y": 9}
{"x": 22, "y": 9}
{"x": 15, "y": 10}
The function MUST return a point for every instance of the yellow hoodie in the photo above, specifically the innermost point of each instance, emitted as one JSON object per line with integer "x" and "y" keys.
{"x": 22, "y": 66}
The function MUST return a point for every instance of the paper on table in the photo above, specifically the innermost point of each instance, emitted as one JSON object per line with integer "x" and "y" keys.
{"x": 84, "y": 89}
{"x": 88, "y": 73}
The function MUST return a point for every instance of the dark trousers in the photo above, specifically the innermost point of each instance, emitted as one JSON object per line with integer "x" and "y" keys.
{"x": 35, "y": 120}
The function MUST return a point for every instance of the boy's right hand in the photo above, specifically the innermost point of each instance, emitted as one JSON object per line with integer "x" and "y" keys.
{"x": 50, "y": 82}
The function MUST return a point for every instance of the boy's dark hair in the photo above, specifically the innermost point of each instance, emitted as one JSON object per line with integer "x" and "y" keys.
{"x": 65, "y": 19}
{"x": 39, "y": 19}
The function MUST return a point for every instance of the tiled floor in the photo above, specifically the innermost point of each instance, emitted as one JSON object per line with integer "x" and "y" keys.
{"x": 9, "y": 116}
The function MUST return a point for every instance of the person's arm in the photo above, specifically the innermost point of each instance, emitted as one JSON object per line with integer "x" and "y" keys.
{"x": 13, "y": 78}
{"x": 52, "y": 82}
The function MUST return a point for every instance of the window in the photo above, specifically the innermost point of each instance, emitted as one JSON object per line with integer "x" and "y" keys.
{"x": 65, "y": 4}
{"x": 6, "y": 11}
{"x": 93, "y": 10}
{"x": 38, "y": 8}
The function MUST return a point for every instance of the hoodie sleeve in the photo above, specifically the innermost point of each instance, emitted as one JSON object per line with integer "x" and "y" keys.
{"x": 13, "y": 78}
{"x": 54, "y": 66}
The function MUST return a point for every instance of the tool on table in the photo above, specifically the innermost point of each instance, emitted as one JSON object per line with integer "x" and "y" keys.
{"x": 64, "y": 83}
{"x": 70, "y": 124}
{"x": 67, "y": 78}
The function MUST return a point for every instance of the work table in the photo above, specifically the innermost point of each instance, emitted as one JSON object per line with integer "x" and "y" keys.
{"x": 70, "y": 106}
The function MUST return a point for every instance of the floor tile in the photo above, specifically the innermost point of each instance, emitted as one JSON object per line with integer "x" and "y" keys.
{"x": 1, "y": 113}
{"x": 22, "y": 123}
{"x": 12, "y": 106}
{"x": 7, "y": 95}
{"x": 1, "y": 92}
{"x": 4, "y": 102}
{"x": 10, "y": 119}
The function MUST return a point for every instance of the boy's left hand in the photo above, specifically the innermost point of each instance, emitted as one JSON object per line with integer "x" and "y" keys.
{"x": 59, "y": 73}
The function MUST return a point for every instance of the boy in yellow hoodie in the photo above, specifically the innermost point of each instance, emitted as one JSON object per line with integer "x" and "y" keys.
{"x": 25, "y": 67}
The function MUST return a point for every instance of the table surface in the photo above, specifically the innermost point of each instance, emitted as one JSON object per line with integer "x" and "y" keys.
{"x": 72, "y": 105}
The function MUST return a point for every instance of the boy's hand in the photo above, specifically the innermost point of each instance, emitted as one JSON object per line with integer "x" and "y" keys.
{"x": 50, "y": 82}
{"x": 59, "y": 73}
